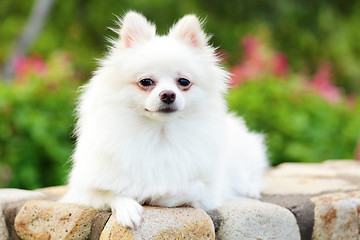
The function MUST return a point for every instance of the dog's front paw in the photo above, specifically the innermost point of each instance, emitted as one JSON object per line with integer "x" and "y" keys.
{"x": 127, "y": 211}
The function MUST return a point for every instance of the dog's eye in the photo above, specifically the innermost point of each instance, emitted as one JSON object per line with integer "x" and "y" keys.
{"x": 184, "y": 83}
{"x": 147, "y": 82}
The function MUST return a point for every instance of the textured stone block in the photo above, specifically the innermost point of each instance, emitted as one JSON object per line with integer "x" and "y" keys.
{"x": 337, "y": 216}
{"x": 305, "y": 185}
{"x": 11, "y": 200}
{"x": 40, "y": 219}
{"x": 251, "y": 219}
{"x": 4, "y": 234}
{"x": 302, "y": 170}
{"x": 301, "y": 207}
{"x": 326, "y": 169}
{"x": 313, "y": 178}
{"x": 164, "y": 223}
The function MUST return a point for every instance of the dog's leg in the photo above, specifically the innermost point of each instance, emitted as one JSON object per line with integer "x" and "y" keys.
{"x": 127, "y": 211}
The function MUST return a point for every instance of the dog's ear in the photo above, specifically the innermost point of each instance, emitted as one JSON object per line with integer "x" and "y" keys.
{"x": 188, "y": 29}
{"x": 135, "y": 28}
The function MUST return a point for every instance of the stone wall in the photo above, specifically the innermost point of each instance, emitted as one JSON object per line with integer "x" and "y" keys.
{"x": 301, "y": 201}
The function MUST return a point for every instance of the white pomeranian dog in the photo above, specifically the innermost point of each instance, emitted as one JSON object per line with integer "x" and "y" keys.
{"x": 153, "y": 127}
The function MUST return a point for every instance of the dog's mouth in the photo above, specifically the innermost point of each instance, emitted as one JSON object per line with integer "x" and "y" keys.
{"x": 164, "y": 110}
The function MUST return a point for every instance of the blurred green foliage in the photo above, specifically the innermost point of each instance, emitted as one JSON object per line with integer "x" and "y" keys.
{"x": 35, "y": 125}
{"x": 36, "y": 110}
{"x": 300, "y": 125}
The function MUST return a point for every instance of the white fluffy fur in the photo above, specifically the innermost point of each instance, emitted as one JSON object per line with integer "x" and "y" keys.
{"x": 127, "y": 156}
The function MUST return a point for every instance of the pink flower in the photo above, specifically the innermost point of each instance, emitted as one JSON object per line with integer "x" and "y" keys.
{"x": 322, "y": 83}
{"x": 25, "y": 66}
{"x": 280, "y": 64}
{"x": 258, "y": 60}
{"x": 253, "y": 63}
{"x": 251, "y": 45}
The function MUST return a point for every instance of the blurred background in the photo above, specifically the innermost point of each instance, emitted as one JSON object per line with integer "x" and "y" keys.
{"x": 295, "y": 66}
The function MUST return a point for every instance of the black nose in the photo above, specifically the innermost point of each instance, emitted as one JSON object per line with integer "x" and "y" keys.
{"x": 167, "y": 96}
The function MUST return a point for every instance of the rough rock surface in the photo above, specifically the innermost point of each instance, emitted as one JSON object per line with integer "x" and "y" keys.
{"x": 252, "y": 219}
{"x": 301, "y": 207}
{"x": 164, "y": 223}
{"x": 321, "y": 200}
{"x": 11, "y": 200}
{"x": 313, "y": 178}
{"x": 337, "y": 216}
{"x": 40, "y": 219}
{"x": 293, "y": 185}
{"x": 4, "y": 234}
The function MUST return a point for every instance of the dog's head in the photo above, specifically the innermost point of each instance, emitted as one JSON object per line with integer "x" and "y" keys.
{"x": 161, "y": 76}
